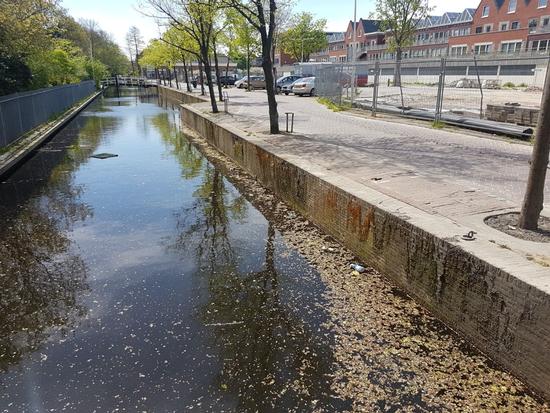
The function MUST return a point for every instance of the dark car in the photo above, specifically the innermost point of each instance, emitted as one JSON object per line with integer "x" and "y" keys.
{"x": 228, "y": 80}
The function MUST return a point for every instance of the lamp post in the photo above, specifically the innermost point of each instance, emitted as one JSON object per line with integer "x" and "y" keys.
{"x": 353, "y": 52}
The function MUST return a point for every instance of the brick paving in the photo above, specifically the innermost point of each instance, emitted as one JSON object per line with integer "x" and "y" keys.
{"x": 436, "y": 170}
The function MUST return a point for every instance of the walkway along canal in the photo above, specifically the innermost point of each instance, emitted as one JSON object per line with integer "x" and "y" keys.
{"x": 162, "y": 281}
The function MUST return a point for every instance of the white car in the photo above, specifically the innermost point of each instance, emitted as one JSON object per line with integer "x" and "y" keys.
{"x": 241, "y": 82}
{"x": 304, "y": 86}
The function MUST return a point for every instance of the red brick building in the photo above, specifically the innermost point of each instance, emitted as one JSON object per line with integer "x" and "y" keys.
{"x": 335, "y": 50}
{"x": 506, "y": 26}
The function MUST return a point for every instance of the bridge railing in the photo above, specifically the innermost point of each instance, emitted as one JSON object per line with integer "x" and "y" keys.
{"x": 125, "y": 81}
{"x": 22, "y": 112}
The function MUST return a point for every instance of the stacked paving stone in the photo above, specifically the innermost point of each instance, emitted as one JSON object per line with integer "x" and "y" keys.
{"x": 520, "y": 115}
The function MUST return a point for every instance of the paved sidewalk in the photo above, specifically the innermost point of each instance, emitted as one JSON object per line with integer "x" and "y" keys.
{"x": 456, "y": 174}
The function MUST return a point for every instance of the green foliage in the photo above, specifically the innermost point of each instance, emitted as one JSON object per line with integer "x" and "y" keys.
{"x": 508, "y": 85}
{"x": 401, "y": 18}
{"x": 41, "y": 46}
{"x": 304, "y": 36}
{"x": 14, "y": 74}
{"x": 333, "y": 106}
{"x": 437, "y": 124}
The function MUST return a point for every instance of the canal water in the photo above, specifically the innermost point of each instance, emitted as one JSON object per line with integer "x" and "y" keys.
{"x": 147, "y": 282}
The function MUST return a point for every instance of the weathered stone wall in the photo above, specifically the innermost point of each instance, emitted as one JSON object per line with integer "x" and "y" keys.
{"x": 503, "y": 316}
{"x": 180, "y": 95}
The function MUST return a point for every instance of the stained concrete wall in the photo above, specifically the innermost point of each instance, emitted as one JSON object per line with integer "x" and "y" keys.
{"x": 505, "y": 317}
{"x": 180, "y": 96}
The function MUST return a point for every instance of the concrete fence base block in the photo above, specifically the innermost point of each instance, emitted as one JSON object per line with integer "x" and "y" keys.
{"x": 501, "y": 306}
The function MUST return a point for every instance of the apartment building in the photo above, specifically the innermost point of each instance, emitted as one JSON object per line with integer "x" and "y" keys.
{"x": 506, "y": 26}
{"x": 335, "y": 50}
{"x": 431, "y": 39}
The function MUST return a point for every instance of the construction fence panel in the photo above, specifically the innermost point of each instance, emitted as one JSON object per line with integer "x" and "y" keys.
{"x": 505, "y": 89}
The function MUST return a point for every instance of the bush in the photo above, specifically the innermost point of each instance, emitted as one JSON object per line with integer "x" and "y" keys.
{"x": 509, "y": 85}
{"x": 15, "y": 75}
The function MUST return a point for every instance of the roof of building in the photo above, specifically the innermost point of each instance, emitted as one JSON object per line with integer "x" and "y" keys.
{"x": 448, "y": 18}
{"x": 369, "y": 25}
{"x": 334, "y": 37}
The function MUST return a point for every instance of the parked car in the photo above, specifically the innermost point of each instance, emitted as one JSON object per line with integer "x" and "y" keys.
{"x": 304, "y": 86}
{"x": 286, "y": 81}
{"x": 239, "y": 83}
{"x": 228, "y": 80}
{"x": 256, "y": 82}
{"x": 287, "y": 88}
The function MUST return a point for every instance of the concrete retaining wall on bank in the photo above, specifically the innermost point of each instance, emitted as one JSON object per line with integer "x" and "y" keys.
{"x": 504, "y": 315}
{"x": 180, "y": 95}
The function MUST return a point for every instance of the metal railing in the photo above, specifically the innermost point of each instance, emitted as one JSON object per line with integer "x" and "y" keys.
{"x": 22, "y": 112}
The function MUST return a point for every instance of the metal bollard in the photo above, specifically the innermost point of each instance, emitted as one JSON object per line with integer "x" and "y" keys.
{"x": 225, "y": 102}
{"x": 291, "y": 122}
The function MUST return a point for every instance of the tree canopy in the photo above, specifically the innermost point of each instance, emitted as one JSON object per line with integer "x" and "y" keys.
{"x": 41, "y": 46}
{"x": 304, "y": 36}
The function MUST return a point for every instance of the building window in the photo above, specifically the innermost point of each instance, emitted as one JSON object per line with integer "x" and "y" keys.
{"x": 542, "y": 4}
{"x": 510, "y": 47}
{"x": 532, "y": 25}
{"x": 515, "y": 25}
{"x": 503, "y": 26}
{"x": 540, "y": 46}
{"x": 479, "y": 29}
{"x": 459, "y": 50}
{"x": 512, "y": 6}
{"x": 485, "y": 12}
{"x": 488, "y": 28}
{"x": 482, "y": 48}
{"x": 545, "y": 21}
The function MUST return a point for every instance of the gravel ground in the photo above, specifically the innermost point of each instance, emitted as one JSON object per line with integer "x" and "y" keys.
{"x": 392, "y": 355}
{"x": 456, "y": 99}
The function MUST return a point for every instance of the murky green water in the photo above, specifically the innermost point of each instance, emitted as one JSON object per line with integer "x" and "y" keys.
{"x": 147, "y": 282}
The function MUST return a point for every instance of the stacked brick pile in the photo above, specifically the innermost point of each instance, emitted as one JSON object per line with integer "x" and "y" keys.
{"x": 520, "y": 115}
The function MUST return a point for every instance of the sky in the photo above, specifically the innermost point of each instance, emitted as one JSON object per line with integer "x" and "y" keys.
{"x": 116, "y": 16}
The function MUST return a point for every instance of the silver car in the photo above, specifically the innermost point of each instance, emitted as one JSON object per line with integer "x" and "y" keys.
{"x": 305, "y": 86}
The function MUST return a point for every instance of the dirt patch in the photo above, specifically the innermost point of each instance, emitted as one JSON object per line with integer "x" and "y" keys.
{"x": 508, "y": 223}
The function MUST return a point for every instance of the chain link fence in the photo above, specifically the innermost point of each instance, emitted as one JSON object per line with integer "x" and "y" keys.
{"x": 505, "y": 90}
{"x": 22, "y": 112}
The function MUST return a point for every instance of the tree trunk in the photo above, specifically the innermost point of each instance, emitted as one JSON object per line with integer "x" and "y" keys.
{"x": 267, "y": 65}
{"x": 534, "y": 195}
{"x": 157, "y": 75}
{"x": 176, "y": 77}
{"x": 248, "y": 67}
{"x": 169, "y": 73}
{"x": 227, "y": 72}
{"x": 201, "y": 78}
{"x": 208, "y": 72}
{"x": 397, "y": 73}
{"x": 217, "y": 68}
{"x": 185, "y": 74}
{"x": 274, "y": 69}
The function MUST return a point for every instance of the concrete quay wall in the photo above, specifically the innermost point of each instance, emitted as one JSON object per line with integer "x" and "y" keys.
{"x": 481, "y": 294}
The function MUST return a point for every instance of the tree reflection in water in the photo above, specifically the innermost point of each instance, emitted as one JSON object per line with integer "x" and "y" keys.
{"x": 41, "y": 277}
{"x": 270, "y": 358}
